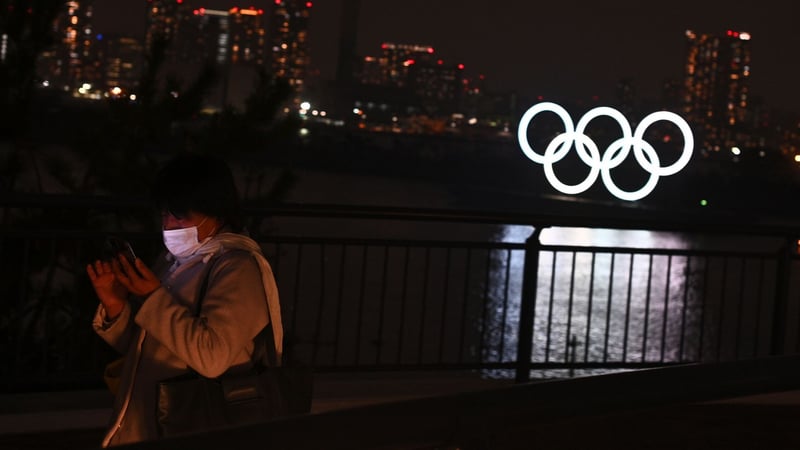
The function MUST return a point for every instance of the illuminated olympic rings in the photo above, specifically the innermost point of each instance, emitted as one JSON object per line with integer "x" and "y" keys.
{"x": 613, "y": 156}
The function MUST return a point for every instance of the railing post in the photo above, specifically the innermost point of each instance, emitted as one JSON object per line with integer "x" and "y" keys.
{"x": 780, "y": 307}
{"x": 527, "y": 309}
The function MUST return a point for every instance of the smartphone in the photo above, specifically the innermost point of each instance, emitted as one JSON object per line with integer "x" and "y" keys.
{"x": 115, "y": 245}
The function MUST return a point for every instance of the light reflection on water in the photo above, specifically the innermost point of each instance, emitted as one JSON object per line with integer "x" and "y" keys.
{"x": 640, "y": 312}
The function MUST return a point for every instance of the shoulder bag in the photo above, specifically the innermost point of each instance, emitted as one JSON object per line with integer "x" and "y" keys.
{"x": 193, "y": 403}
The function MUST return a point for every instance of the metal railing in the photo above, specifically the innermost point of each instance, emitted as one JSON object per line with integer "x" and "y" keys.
{"x": 368, "y": 289}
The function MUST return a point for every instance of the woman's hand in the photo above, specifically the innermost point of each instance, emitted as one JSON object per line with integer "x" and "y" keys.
{"x": 139, "y": 280}
{"x": 110, "y": 291}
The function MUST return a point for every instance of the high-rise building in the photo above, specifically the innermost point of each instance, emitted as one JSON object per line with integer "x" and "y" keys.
{"x": 717, "y": 84}
{"x": 203, "y": 37}
{"x": 163, "y": 18}
{"x": 231, "y": 36}
{"x": 68, "y": 64}
{"x": 289, "y": 23}
{"x": 122, "y": 59}
{"x": 392, "y": 66}
{"x": 437, "y": 86}
{"x": 348, "y": 34}
{"x": 248, "y": 36}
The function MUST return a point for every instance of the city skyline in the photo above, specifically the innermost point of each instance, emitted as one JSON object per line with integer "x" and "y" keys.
{"x": 592, "y": 47}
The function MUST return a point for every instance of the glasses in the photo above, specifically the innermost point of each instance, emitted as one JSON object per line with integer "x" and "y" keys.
{"x": 115, "y": 245}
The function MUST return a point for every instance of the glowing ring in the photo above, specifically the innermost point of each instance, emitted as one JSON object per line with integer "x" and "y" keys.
{"x": 614, "y": 155}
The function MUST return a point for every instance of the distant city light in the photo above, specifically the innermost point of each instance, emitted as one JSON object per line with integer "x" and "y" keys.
{"x": 305, "y": 105}
{"x": 797, "y": 158}
{"x": 736, "y": 151}
{"x": 703, "y": 202}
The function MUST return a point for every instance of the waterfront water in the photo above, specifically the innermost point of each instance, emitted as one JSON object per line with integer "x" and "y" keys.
{"x": 418, "y": 305}
{"x": 634, "y": 307}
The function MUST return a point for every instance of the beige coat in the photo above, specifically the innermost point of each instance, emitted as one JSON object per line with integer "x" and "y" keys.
{"x": 162, "y": 337}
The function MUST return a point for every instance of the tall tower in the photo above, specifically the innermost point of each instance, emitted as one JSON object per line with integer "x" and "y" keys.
{"x": 232, "y": 40}
{"x": 163, "y": 18}
{"x": 348, "y": 34}
{"x": 717, "y": 82}
{"x": 69, "y": 64}
{"x": 289, "y": 39}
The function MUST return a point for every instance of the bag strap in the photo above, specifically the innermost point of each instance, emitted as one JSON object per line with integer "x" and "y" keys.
{"x": 264, "y": 348}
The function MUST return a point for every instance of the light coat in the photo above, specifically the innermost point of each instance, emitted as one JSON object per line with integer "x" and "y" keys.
{"x": 163, "y": 336}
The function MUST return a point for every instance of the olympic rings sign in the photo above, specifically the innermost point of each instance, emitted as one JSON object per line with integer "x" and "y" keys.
{"x": 613, "y": 155}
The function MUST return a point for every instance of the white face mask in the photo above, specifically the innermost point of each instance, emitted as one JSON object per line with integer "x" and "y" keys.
{"x": 182, "y": 242}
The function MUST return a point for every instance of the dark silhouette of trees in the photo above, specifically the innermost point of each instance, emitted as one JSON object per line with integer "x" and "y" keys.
{"x": 27, "y": 27}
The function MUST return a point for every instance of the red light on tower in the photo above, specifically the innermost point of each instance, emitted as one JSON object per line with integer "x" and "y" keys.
{"x": 460, "y": 67}
{"x": 309, "y": 4}
{"x": 430, "y": 49}
{"x": 278, "y": 2}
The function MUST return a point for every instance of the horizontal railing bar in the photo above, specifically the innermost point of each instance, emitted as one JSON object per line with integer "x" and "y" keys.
{"x": 654, "y": 251}
{"x": 433, "y": 243}
{"x": 446, "y": 367}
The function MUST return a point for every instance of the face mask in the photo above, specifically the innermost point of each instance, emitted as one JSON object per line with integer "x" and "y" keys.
{"x": 182, "y": 242}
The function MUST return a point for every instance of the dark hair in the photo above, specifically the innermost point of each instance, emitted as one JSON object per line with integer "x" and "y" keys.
{"x": 198, "y": 183}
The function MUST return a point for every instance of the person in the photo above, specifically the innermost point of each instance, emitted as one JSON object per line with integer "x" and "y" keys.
{"x": 150, "y": 315}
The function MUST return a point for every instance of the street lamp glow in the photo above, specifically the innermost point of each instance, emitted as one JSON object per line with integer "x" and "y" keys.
{"x": 305, "y": 105}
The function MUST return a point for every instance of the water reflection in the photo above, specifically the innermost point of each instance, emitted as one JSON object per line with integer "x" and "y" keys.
{"x": 601, "y": 307}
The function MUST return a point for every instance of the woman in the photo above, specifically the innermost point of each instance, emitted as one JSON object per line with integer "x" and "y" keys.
{"x": 152, "y": 316}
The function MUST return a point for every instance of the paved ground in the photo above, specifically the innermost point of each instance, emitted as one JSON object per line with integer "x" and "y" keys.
{"x": 74, "y": 420}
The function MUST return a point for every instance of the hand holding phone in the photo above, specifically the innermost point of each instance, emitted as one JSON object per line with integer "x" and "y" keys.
{"x": 115, "y": 246}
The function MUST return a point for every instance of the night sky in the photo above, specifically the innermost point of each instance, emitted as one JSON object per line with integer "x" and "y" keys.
{"x": 563, "y": 49}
